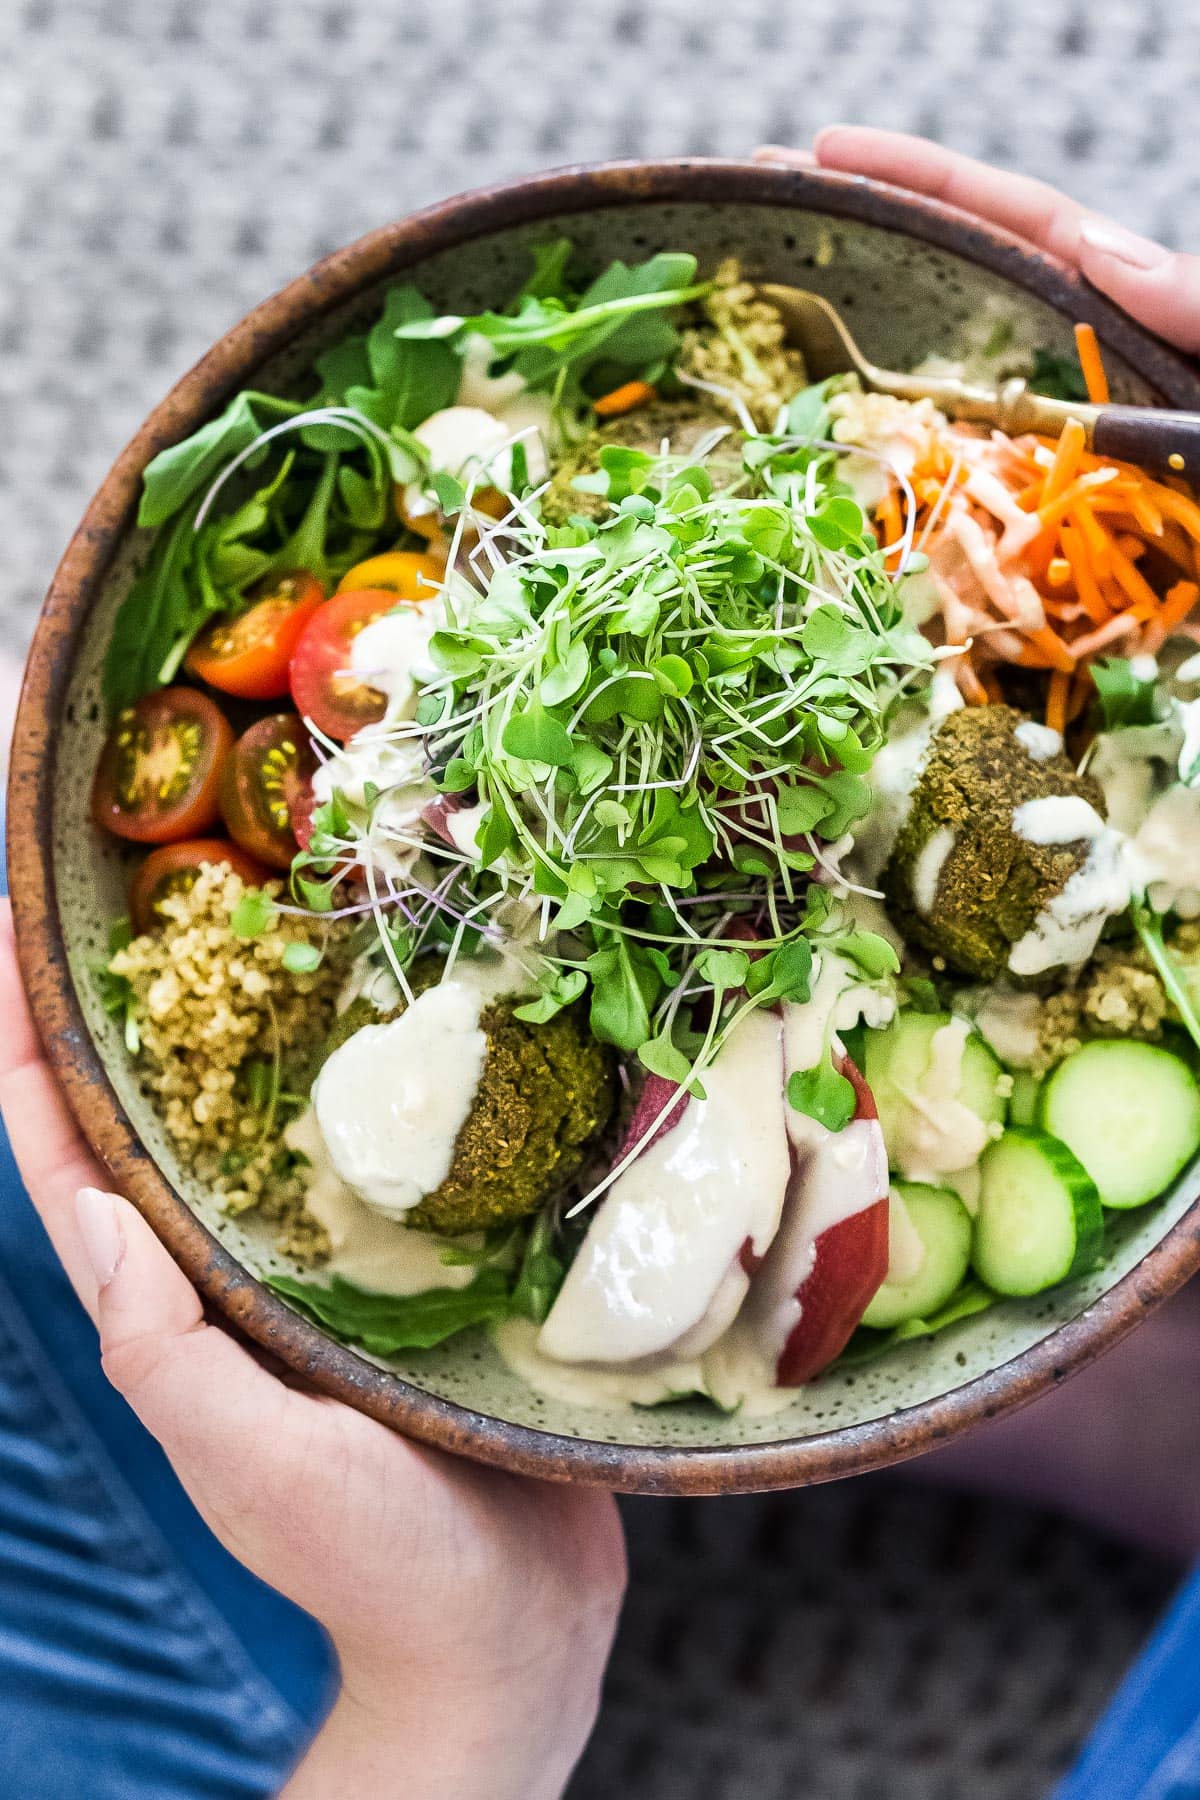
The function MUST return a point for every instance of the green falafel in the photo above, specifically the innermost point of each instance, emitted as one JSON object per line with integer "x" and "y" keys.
{"x": 960, "y": 881}
{"x": 545, "y": 1094}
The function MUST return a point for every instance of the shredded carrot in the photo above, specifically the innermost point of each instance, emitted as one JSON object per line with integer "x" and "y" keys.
{"x": 1176, "y": 606}
{"x": 1056, "y": 701}
{"x": 1058, "y": 571}
{"x": 1118, "y": 627}
{"x": 1066, "y": 462}
{"x": 1092, "y": 364}
{"x": 1084, "y": 488}
{"x": 888, "y": 515}
{"x": 1075, "y": 549}
{"x": 1132, "y": 581}
{"x": 1053, "y": 648}
{"x": 624, "y": 399}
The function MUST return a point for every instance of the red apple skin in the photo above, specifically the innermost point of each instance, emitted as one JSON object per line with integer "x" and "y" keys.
{"x": 850, "y": 1264}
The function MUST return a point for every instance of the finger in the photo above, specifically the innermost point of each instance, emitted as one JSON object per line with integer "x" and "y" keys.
{"x": 53, "y": 1159}
{"x": 1159, "y": 288}
{"x": 785, "y": 153}
{"x": 1030, "y": 208}
{"x": 190, "y": 1385}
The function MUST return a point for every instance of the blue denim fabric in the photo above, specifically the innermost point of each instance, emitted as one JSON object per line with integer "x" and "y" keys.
{"x": 1147, "y": 1745}
{"x": 138, "y": 1661}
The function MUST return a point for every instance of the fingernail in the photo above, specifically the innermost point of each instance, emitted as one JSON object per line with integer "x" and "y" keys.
{"x": 1126, "y": 246}
{"x": 101, "y": 1234}
{"x": 783, "y": 153}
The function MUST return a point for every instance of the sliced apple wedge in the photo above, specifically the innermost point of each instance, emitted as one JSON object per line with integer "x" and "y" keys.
{"x": 663, "y": 1263}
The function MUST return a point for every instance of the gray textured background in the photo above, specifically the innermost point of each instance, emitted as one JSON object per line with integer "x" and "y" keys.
{"x": 166, "y": 163}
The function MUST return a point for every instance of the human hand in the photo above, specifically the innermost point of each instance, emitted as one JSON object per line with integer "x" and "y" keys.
{"x": 472, "y": 1612}
{"x": 1158, "y": 287}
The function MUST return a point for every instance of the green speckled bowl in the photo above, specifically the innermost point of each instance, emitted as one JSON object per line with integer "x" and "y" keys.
{"x": 911, "y": 275}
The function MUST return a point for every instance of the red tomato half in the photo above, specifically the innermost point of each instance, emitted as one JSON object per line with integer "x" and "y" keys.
{"x": 264, "y": 778}
{"x": 249, "y": 656}
{"x": 160, "y": 768}
{"x": 173, "y": 868}
{"x": 324, "y": 687}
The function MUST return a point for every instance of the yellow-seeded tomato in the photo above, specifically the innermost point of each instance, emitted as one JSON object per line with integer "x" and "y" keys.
{"x": 408, "y": 574}
{"x": 173, "y": 868}
{"x": 249, "y": 656}
{"x": 160, "y": 768}
{"x": 268, "y": 770}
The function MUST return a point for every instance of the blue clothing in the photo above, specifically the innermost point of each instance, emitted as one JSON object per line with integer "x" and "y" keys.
{"x": 138, "y": 1661}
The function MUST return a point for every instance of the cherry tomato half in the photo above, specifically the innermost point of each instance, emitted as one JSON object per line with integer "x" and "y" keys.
{"x": 173, "y": 868}
{"x": 160, "y": 768}
{"x": 249, "y": 656}
{"x": 267, "y": 771}
{"x": 324, "y": 686}
{"x": 406, "y": 574}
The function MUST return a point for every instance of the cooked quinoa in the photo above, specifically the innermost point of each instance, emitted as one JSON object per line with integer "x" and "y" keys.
{"x": 210, "y": 1004}
{"x": 1118, "y": 995}
{"x": 742, "y": 347}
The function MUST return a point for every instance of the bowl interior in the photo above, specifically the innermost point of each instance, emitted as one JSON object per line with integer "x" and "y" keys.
{"x": 904, "y": 299}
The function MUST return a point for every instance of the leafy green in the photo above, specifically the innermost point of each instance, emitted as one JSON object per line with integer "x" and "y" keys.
{"x": 1149, "y": 927}
{"x": 254, "y": 911}
{"x": 555, "y": 336}
{"x": 183, "y": 471}
{"x": 1059, "y": 377}
{"x": 301, "y": 959}
{"x": 116, "y": 991}
{"x": 393, "y": 378}
{"x": 540, "y": 1275}
{"x": 823, "y": 1094}
{"x": 972, "y": 1298}
{"x": 1126, "y": 698}
{"x": 386, "y": 1324}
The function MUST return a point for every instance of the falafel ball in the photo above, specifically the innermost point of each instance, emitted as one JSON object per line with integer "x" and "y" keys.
{"x": 545, "y": 1094}
{"x": 960, "y": 881}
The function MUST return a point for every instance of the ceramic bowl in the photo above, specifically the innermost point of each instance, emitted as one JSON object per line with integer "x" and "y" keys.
{"x": 913, "y": 277}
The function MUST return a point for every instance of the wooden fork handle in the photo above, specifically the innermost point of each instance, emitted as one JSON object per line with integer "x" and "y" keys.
{"x": 1168, "y": 442}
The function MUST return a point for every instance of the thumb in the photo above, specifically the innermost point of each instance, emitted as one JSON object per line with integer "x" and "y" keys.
{"x": 1160, "y": 288}
{"x": 213, "y": 1409}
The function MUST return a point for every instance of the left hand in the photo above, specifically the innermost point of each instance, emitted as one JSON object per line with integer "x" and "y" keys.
{"x": 1160, "y": 288}
{"x": 472, "y": 1611}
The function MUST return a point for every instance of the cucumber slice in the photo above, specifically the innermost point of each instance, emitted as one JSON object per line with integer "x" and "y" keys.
{"x": 943, "y": 1225}
{"x": 1040, "y": 1220}
{"x": 1131, "y": 1114}
{"x": 1023, "y": 1105}
{"x": 897, "y": 1066}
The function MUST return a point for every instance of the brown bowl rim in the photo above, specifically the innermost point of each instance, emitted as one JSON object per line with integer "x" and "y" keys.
{"x": 226, "y": 1286}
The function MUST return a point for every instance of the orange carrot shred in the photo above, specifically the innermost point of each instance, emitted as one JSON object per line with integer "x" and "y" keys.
{"x": 1053, "y": 648}
{"x": 1056, "y": 701}
{"x": 1092, "y": 364}
{"x": 624, "y": 399}
{"x": 1066, "y": 462}
{"x": 1075, "y": 549}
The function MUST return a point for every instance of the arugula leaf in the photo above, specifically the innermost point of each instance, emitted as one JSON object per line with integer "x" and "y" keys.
{"x": 552, "y": 337}
{"x": 183, "y": 471}
{"x": 386, "y": 1324}
{"x": 823, "y": 1094}
{"x": 391, "y": 378}
{"x": 149, "y": 619}
{"x": 1059, "y": 377}
{"x": 1126, "y": 698}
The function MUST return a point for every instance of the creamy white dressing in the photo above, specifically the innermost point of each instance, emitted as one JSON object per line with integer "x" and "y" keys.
{"x": 392, "y": 653}
{"x": 927, "y": 869}
{"x": 906, "y": 1247}
{"x": 674, "y": 1223}
{"x": 1007, "y": 1020}
{"x": 838, "y": 999}
{"x": 391, "y": 1100}
{"x": 1040, "y": 741}
{"x": 1057, "y": 819}
{"x": 1165, "y": 853}
{"x": 936, "y": 1133}
{"x": 373, "y": 1252}
{"x": 1067, "y": 930}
